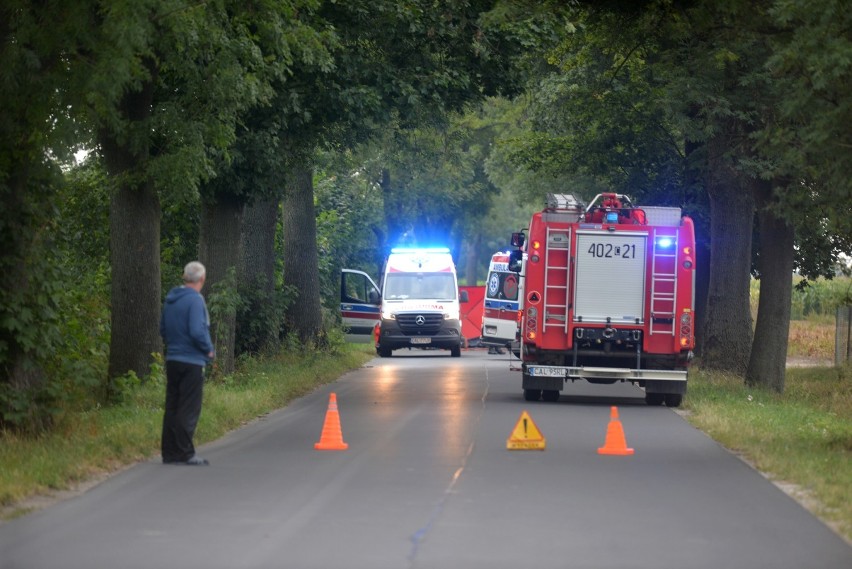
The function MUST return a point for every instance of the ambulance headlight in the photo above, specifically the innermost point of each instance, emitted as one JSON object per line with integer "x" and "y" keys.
{"x": 451, "y": 315}
{"x": 388, "y": 315}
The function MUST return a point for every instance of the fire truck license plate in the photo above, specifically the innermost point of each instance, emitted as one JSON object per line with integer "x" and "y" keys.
{"x": 421, "y": 340}
{"x": 547, "y": 372}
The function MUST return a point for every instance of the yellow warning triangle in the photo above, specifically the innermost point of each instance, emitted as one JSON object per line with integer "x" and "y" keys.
{"x": 526, "y": 435}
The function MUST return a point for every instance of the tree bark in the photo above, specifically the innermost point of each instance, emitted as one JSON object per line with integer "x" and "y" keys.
{"x": 728, "y": 325}
{"x": 134, "y": 244}
{"x": 219, "y": 251}
{"x": 256, "y": 275}
{"x": 301, "y": 257}
{"x": 768, "y": 362}
{"x": 474, "y": 250}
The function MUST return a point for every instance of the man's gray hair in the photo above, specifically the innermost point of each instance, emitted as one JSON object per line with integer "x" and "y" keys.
{"x": 193, "y": 272}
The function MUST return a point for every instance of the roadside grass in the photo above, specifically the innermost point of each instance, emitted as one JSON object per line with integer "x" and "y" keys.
{"x": 801, "y": 437}
{"x": 92, "y": 443}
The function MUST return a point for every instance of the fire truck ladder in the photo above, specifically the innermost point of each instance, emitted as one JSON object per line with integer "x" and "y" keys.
{"x": 663, "y": 279}
{"x": 556, "y": 261}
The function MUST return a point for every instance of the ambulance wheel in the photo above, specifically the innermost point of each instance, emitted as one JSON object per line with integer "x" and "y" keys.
{"x": 532, "y": 394}
{"x": 674, "y": 399}
{"x": 550, "y": 395}
{"x": 654, "y": 398}
{"x": 384, "y": 352}
{"x": 455, "y": 352}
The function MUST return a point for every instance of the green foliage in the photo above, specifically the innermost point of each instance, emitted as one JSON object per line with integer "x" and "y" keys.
{"x": 821, "y": 297}
{"x": 260, "y": 317}
{"x": 348, "y": 210}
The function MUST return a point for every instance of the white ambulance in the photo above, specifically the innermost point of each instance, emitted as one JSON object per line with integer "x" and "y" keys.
{"x": 419, "y": 306}
{"x": 503, "y": 289}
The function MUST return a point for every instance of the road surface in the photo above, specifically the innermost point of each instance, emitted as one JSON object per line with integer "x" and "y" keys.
{"x": 427, "y": 482}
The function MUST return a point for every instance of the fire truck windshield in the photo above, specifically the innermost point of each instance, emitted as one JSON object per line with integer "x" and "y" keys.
{"x": 431, "y": 286}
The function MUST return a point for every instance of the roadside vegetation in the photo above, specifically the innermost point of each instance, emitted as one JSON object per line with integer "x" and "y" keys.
{"x": 801, "y": 439}
{"x": 89, "y": 443}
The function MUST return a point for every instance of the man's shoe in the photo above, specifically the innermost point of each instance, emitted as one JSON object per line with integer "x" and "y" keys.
{"x": 197, "y": 461}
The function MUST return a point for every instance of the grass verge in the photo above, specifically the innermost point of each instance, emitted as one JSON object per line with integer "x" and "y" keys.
{"x": 92, "y": 443}
{"x": 801, "y": 437}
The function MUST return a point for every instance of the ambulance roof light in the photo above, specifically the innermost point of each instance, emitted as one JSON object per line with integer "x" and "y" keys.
{"x": 420, "y": 250}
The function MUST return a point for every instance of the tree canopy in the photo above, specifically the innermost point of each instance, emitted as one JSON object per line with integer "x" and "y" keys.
{"x": 279, "y": 140}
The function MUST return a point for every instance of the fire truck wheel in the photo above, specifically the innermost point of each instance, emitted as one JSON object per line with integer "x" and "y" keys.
{"x": 550, "y": 395}
{"x": 654, "y": 398}
{"x": 532, "y": 394}
{"x": 455, "y": 352}
{"x": 674, "y": 399}
{"x": 384, "y": 352}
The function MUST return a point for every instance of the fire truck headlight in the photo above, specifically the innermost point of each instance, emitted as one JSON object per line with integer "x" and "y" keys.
{"x": 688, "y": 263}
{"x": 664, "y": 242}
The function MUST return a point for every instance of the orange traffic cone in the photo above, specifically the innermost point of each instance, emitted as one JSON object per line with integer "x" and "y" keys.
{"x": 615, "y": 441}
{"x": 332, "y": 436}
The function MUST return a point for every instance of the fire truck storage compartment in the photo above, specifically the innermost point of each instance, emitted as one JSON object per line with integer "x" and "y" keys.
{"x": 610, "y": 277}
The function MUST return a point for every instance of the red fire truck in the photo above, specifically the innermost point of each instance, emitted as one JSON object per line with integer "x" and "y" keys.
{"x": 609, "y": 294}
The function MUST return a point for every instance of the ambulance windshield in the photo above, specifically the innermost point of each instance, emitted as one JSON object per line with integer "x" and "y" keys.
{"x": 431, "y": 286}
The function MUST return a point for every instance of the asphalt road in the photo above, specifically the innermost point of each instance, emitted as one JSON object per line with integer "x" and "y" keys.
{"x": 427, "y": 482}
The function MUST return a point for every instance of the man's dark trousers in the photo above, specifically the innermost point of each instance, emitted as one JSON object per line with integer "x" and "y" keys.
{"x": 184, "y": 386}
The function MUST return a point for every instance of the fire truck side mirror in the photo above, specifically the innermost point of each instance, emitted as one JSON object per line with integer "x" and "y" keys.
{"x": 516, "y": 260}
{"x": 518, "y": 239}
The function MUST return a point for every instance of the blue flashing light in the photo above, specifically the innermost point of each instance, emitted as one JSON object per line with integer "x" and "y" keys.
{"x": 665, "y": 242}
{"x": 420, "y": 250}
{"x": 612, "y": 217}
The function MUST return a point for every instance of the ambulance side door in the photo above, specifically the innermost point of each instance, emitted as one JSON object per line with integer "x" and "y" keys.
{"x": 360, "y": 305}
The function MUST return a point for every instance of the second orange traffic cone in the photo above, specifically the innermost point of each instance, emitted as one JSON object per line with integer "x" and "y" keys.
{"x": 332, "y": 436}
{"x": 615, "y": 442}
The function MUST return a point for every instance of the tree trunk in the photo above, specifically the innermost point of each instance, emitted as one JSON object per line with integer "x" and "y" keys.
{"x": 702, "y": 290}
{"x": 474, "y": 248}
{"x": 768, "y": 362}
{"x": 727, "y": 329}
{"x": 301, "y": 257}
{"x": 256, "y": 276}
{"x": 219, "y": 251}
{"x": 134, "y": 220}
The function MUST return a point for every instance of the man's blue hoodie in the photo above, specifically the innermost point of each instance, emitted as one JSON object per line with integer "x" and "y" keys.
{"x": 185, "y": 327}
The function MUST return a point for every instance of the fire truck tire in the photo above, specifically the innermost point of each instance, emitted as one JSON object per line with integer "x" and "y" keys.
{"x": 384, "y": 352}
{"x": 550, "y": 395}
{"x": 674, "y": 399}
{"x": 455, "y": 352}
{"x": 655, "y": 398}
{"x": 532, "y": 394}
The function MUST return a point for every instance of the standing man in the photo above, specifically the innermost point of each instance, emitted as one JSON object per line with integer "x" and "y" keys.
{"x": 185, "y": 328}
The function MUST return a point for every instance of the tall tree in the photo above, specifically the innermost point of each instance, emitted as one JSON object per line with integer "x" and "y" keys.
{"x": 287, "y": 36}
{"x": 406, "y": 61}
{"x": 161, "y": 100}
{"x": 666, "y": 98}
{"x": 35, "y": 131}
